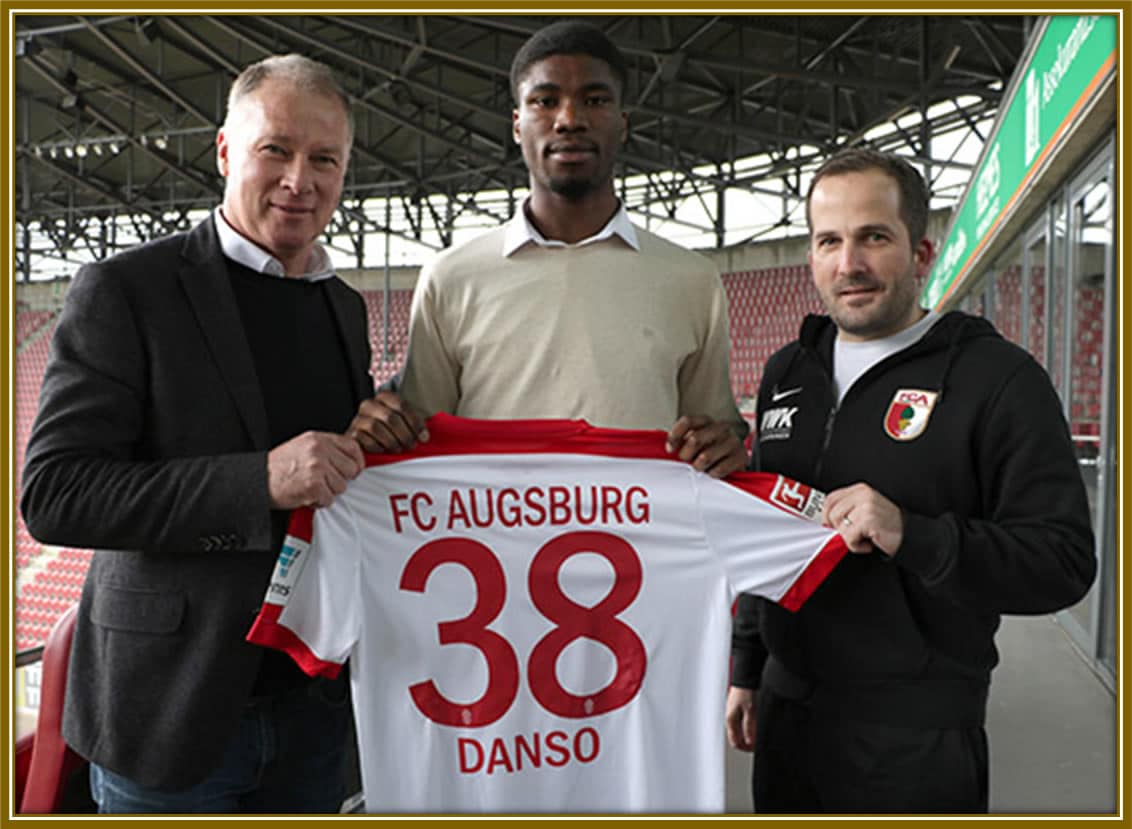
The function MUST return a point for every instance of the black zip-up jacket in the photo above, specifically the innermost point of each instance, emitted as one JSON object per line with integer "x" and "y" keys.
{"x": 996, "y": 520}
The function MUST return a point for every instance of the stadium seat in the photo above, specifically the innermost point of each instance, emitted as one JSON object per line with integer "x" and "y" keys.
{"x": 52, "y": 761}
{"x": 22, "y": 763}
{"x": 766, "y": 305}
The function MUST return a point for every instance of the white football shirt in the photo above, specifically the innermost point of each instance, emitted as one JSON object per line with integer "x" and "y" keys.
{"x": 537, "y": 614}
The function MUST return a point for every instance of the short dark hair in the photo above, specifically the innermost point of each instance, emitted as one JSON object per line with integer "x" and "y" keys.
{"x": 913, "y": 191}
{"x": 567, "y": 37}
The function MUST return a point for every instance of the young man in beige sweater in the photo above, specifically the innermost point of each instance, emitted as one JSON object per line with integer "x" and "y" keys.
{"x": 569, "y": 310}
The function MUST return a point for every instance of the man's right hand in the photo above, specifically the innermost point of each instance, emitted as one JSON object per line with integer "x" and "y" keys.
{"x": 386, "y": 423}
{"x": 740, "y": 718}
{"x": 311, "y": 469}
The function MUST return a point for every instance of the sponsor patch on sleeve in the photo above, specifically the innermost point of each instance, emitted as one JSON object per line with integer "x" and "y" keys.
{"x": 798, "y": 498}
{"x": 292, "y": 559}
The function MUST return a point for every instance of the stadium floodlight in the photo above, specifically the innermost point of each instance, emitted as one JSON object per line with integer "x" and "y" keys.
{"x": 27, "y": 47}
{"x": 80, "y": 150}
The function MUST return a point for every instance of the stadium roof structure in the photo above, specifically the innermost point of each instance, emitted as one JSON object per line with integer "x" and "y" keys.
{"x": 115, "y": 116}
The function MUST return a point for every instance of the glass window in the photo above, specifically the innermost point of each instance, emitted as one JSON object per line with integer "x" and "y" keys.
{"x": 1055, "y": 330}
{"x": 1007, "y": 295}
{"x": 975, "y": 300}
{"x": 1036, "y": 288}
{"x": 1090, "y": 251}
{"x": 1091, "y": 241}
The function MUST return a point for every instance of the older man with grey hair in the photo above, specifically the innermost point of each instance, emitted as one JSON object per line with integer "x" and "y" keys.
{"x": 199, "y": 388}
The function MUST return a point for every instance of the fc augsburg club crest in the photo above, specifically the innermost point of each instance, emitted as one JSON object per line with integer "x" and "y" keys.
{"x": 908, "y": 413}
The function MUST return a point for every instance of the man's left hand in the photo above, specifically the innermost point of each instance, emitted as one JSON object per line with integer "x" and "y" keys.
{"x": 710, "y": 446}
{"x": 865, "y": 518}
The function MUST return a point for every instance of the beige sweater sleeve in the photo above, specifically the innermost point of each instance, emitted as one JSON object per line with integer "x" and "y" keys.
{"x": 704, "y": 379}
{"x": 431, "y": 380}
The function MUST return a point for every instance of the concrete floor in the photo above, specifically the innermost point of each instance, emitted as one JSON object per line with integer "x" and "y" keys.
{"x": 1051, "y": 723}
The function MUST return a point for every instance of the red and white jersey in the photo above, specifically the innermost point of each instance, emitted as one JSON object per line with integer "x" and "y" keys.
{"x": 537, "y": 614}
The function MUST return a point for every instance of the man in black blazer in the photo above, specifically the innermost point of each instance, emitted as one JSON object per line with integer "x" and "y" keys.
{"x": 199, "y": 388}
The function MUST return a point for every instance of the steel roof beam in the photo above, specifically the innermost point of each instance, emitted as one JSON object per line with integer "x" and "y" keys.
{"x": 384, "y": 112}
{"x": 89, "y": 183}
{"x": 149, "y": 76}
{"x": 117, "y": 128}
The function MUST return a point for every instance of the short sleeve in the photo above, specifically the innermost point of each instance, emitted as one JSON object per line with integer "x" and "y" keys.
{"x": 311, "y": 610}
{"x": 765, "y": 531}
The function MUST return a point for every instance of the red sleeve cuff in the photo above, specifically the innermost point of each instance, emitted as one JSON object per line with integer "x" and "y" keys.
{"x": 269, "y": 632}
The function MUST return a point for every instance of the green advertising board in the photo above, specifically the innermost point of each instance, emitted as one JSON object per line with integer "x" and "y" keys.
{"x": 1073, "y": 57}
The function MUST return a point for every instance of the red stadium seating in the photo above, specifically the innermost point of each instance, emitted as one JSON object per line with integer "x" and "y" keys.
{"x": 766, "y": 308}
{"x": 1087, "y": 369}
{"x": 33, "y": 339}
{"x": 1008, "y": 303}
{"x": 28, "y": 322}
{"x": 385, "y": 366}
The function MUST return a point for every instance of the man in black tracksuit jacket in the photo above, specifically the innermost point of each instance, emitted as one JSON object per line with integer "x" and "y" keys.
{"x": 872, "y": 697}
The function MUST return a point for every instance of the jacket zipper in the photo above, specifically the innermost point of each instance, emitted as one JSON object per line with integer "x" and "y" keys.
{"x": 826, "y": 438}
{"x": 827, "y": 434}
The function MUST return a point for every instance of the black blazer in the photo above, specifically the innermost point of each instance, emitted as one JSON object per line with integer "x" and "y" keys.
{"x": 151, "y": 445}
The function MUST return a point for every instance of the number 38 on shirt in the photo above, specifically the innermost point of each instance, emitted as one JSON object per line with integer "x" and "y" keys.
{"x": 572, "y": 621}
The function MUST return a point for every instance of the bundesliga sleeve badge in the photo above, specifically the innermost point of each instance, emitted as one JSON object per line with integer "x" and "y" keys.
{"x": 908, "y": 413}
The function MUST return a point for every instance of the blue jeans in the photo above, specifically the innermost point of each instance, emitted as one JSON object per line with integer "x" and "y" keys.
{"x": 289, "y": 755}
